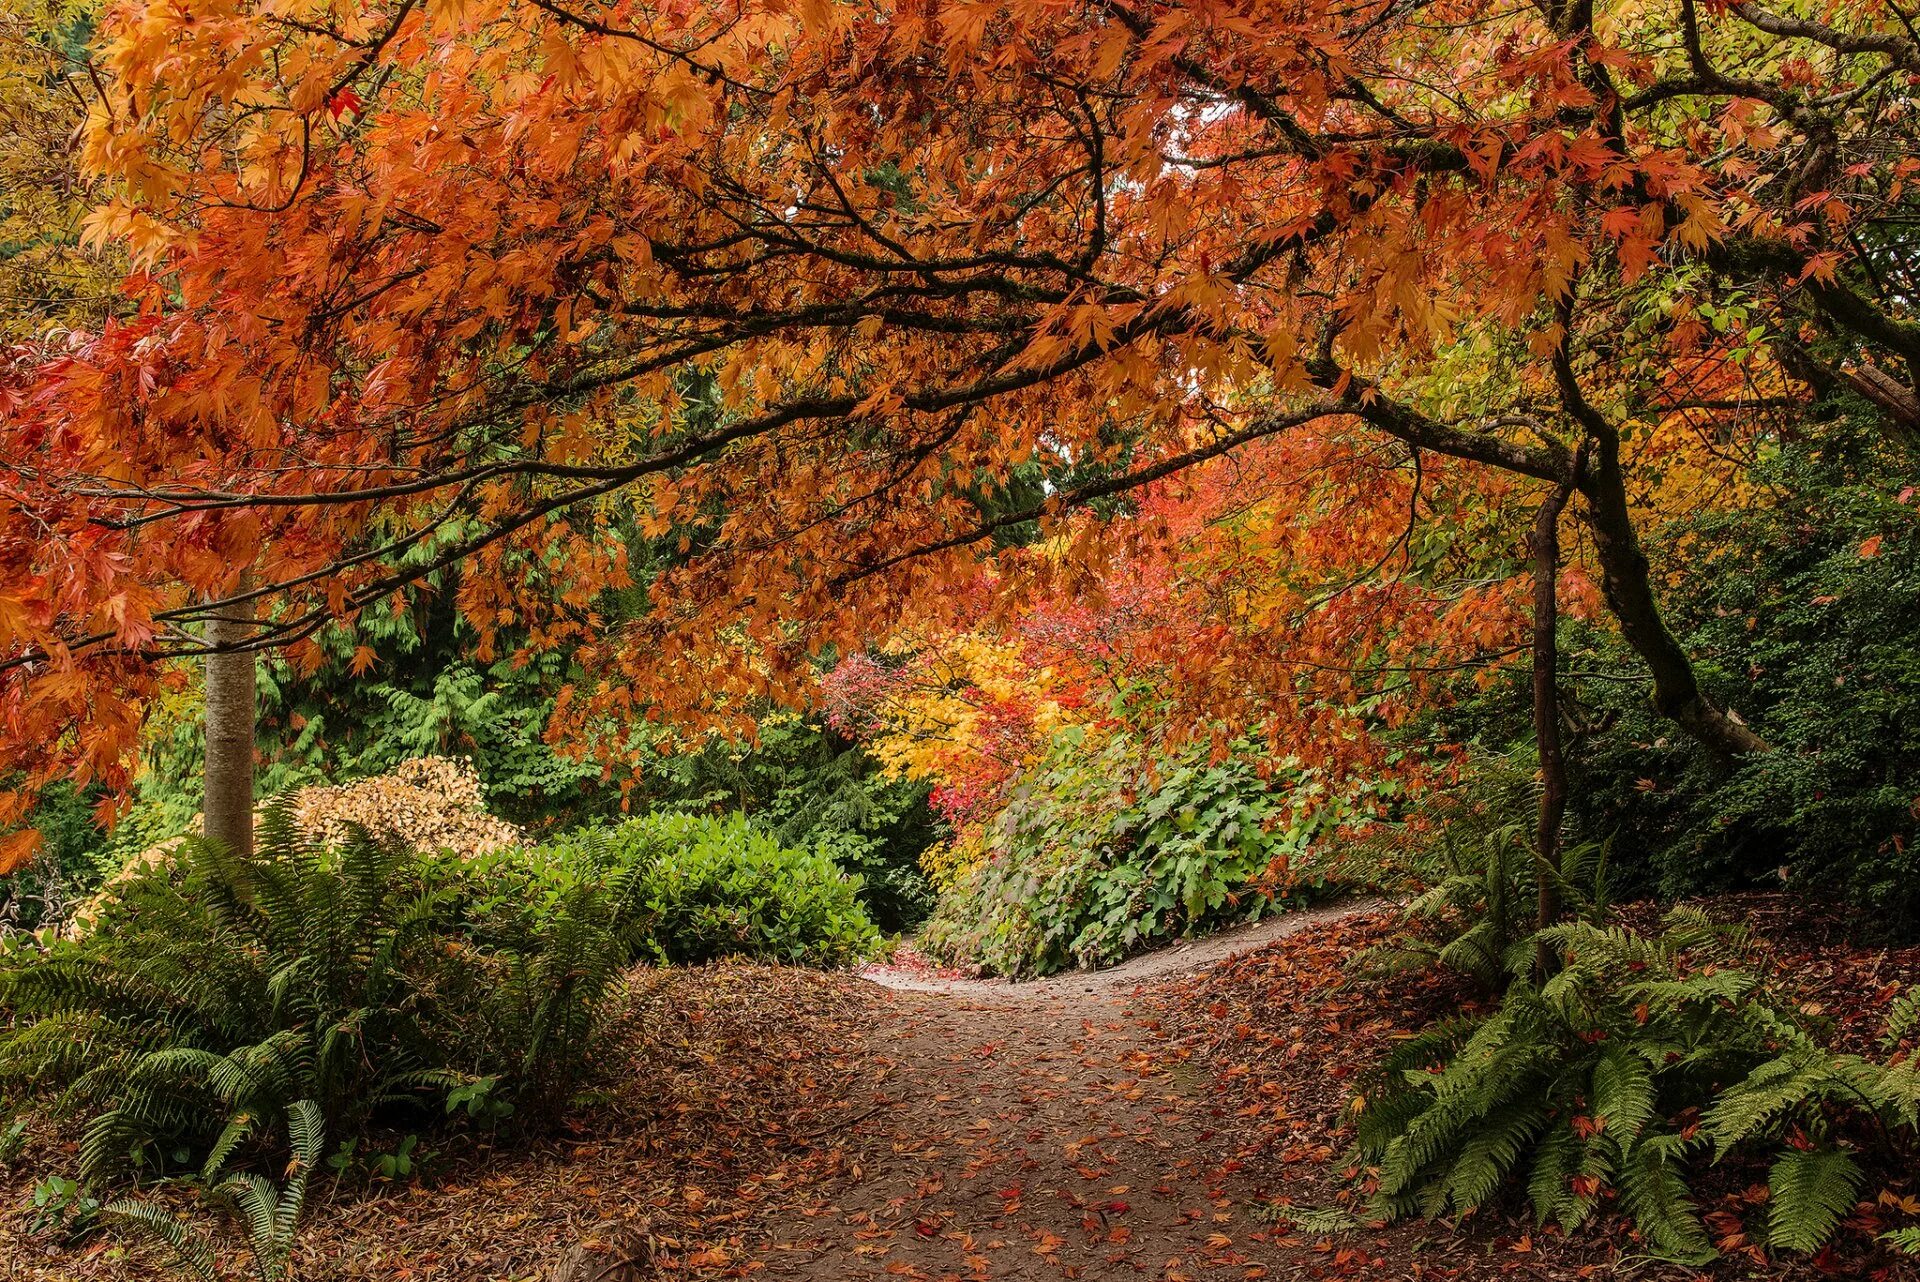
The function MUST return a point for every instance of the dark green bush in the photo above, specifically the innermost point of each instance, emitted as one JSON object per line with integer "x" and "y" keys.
{"x": 700, "y": 887}
{"x": 813, "y": 790}
{"x": 1100, "y": 851}
{"x": 215, "y": 991}
{"x": 1799, "y": 608}
{"x": 1802, "y": 612}
{"x": 63, "y": 872}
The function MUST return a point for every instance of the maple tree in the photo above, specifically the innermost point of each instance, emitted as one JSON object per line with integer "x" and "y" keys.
{"x": 802, "y": 286}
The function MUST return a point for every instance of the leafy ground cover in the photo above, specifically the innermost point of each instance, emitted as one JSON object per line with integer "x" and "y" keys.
{"x": 1287, "y": 1034}
{"x": 754, "y": 1121}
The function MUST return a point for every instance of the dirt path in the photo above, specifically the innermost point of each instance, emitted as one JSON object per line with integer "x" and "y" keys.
{"x": 1035, "y": 1131}
{"x": 1184, "y": 957}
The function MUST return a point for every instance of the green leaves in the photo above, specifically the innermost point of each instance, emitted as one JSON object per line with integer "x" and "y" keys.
{"x": 1812, "y": 1192}
{"x": 1809, "y": 640}
{"x": 1099, "y": 851}
{"x": 692, "y": 888}
{"x": 1591, "y": 1081}
{"x": 811, "y": 791}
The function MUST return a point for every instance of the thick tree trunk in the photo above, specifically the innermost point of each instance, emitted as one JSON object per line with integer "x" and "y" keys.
{"x": 230, "y": 713}
{"x": 1627, "y": 580}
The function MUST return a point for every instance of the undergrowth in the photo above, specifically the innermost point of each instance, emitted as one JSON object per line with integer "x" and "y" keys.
{"x": 1638, "y": 1062}
{"x": 215, "y": 990}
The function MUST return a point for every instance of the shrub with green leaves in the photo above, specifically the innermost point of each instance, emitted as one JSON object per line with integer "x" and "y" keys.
{"x": 63, "y": 873}
{"x": 217, "y": 990}
{"x": 812, "y": 789}
{"x": 1100, "y": 851}
{"x": 700, "y": 887}
{"x": 1638, "y": 1061}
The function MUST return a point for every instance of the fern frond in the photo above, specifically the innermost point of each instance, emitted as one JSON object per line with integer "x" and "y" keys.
{"x": 1906, "y": 1241}
{"x": 1767, "y": 1092}
{"x": 1492, "y": 1153}
{"x": 237, "y": 1131}
{"x": 191, "y": 1251}
{"x": 1623, "y": 1093}
{"x": 1812, "y": 1192}
{"x": 1903, "y": 1019}
{"x": 257, "y": 1201}
{"x": 1655, "y": 1195}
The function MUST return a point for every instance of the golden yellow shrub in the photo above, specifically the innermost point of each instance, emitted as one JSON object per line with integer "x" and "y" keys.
{"x": 429, "y": 803}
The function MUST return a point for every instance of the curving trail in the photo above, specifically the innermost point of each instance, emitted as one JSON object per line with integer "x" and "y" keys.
{"x": 1037, "y": 1130}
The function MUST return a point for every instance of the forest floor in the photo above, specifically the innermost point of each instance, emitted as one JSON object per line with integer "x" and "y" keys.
{"x": 1174, "y": 1119}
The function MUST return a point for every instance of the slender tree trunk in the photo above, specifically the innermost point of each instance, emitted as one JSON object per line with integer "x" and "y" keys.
{"x": 1626, "y": 577}
{"x": 230, "y": 713}
{"x": 1545, "y": 546}
{"x": 1627, "y": 580}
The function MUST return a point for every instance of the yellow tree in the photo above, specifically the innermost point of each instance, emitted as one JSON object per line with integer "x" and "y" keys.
{"x": 48, "y": 278}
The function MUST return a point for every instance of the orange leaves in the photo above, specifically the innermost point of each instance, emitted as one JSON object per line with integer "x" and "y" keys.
{"x": 17, "y": 848}
{"x": 963, "y": 24}
{"x": 828, "y": 322}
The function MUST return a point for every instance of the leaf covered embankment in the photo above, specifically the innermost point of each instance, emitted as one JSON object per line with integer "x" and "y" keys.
{"x": 1290, "y": 1035}
{"x": 720, "y": 1094}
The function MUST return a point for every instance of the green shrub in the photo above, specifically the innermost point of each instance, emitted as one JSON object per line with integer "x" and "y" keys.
{"x": 1801, "y": 612}
{"x": 811, "y": 789}
{"x": 1640, "y": 1059}
{"x": 63, "y": 873}
{"x": 700, "y": 887}
{"x": 215, "y": 991}
{"x": 1099, "y": 852}
{"x": 1799, "y": 607}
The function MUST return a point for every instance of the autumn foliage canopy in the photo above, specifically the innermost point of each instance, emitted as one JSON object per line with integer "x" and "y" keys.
{"x": 1313, "y": 294}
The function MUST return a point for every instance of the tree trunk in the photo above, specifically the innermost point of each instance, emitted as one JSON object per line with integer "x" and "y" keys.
{"x": 230, "y": 713}
{"x": 1627, "y": 580}
{"x": 1545, "y": 546}
{"x": 1895, "y": 400}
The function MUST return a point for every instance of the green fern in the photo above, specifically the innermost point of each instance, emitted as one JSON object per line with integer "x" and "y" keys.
{"x": 1770, "y": 1090}
{"x": 1812, "y": 1192}
{"x": 270, "y": 1217}
{"x": 1653, "y": 1190}
{"x": 1575, "y": 1082}
{"x": 1903, "y": 1020}
{"x": 1906, "y": 1241}
{"x": 216, "y": 992}
{"x": 193, "y": 1251}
